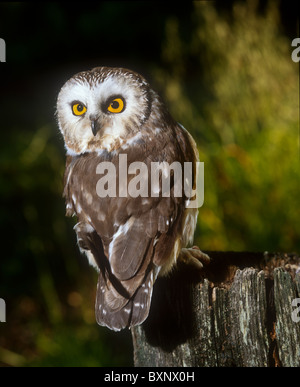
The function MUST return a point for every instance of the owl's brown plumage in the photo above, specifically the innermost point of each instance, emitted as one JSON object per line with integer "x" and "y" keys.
{"x": 129, "y": 239}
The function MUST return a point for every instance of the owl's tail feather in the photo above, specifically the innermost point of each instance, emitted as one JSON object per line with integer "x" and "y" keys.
{"x": 120, "y": 303}
{"x": 118, "y": 312}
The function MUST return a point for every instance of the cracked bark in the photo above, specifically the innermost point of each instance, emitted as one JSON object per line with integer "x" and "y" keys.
{"x": 238, "y": 314}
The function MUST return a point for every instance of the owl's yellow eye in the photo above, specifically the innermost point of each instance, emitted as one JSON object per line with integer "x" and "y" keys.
{"x": 116, "y": 105}
{"x": 78, "y": 109}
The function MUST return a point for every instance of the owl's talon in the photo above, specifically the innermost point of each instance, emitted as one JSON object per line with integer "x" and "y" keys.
{"x": 194, "y": 257}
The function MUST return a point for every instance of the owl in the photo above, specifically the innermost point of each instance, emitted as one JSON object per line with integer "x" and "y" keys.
{"x": 106, "y": 115}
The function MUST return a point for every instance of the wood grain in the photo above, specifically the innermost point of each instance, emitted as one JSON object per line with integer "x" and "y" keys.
{"x": 237, "y": 313}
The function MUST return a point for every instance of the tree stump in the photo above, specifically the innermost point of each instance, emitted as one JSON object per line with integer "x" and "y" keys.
{"x": 242, "y": 312}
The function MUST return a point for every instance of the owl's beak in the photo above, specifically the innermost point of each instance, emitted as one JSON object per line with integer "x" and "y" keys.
{"x": 95, "y": 125}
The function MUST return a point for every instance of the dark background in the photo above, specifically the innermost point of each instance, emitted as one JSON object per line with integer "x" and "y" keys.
{"x": 48, "y": 287}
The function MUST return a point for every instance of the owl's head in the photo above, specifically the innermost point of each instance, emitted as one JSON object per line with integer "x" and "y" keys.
{"x": 97, "y": 109}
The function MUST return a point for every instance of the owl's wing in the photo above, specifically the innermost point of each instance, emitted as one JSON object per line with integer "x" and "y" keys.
{"x": 116, "y": 309}
{"x": 119, "y": 303}
{"x": 128, "y": 238}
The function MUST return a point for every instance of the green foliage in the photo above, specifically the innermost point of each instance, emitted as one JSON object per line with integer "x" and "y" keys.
{"x": 43, "y": 261}
{"x": 243, "y": 111}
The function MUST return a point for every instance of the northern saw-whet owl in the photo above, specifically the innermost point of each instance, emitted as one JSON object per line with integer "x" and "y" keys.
{"x": 105, "y": 113}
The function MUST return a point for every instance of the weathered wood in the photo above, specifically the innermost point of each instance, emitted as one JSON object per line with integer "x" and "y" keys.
{"x": 238, "y": 314}
{"x": 248, "y": 315}
{"x": 287, "y": 331}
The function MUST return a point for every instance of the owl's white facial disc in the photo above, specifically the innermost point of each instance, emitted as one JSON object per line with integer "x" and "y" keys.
{"x": 101, "y": 108}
